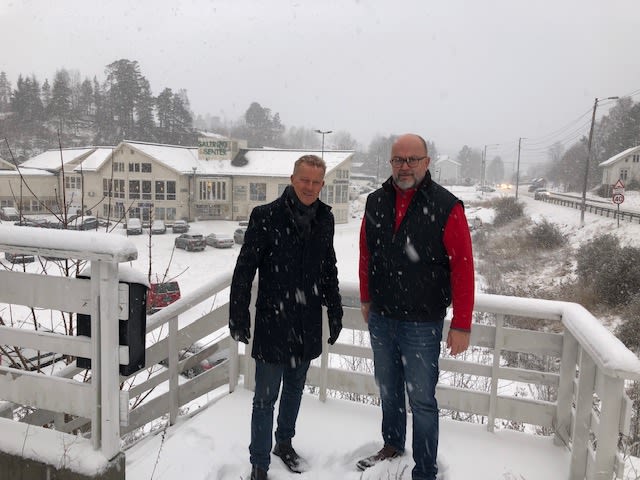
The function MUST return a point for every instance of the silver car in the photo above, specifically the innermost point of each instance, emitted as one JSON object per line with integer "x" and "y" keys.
{"x": 220, "y": 240}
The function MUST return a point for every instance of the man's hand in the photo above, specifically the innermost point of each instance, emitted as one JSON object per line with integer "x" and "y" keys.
{"x": 334, "y": 332}
{"x": 242, "y": 335}
{"x": 364, "y": 309}
{"x": 457, "y": 341}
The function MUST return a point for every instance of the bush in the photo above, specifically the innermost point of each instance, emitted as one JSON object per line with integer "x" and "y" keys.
{"x": 609, "y": 269}
{"x": 629, "y": 330}
{"x": 546, "y": 235}
{"x": 507, "y": 210}
{"x": 593, "y": 256}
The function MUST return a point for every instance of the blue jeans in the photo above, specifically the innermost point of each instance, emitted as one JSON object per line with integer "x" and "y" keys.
{"x": 405, "y": 355}
{"x": 268, "y": 379}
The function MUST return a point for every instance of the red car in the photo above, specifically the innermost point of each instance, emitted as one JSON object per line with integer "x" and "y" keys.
{"x": 162, "y": 294}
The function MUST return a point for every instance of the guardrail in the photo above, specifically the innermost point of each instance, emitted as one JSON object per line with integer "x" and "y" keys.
{"x": 581, "y": 365}
{"x": 598, "y": 207}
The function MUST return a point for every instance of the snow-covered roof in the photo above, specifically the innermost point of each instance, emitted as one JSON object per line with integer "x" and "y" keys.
{"x": 447, "y": 159}
{"x": 95, "y": 159}
{"x": 4, "y": 165}
{"x": 619, "y": 156}
{"x": 26, "y": 172}
{"x": 262, "y": 162}
{"x": 259, "y": 161}
{"x": 53, "y": 160}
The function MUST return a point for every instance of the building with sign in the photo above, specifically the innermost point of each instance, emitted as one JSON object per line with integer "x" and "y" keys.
{"x": 220, "y": 179}
{"x": 624, "y": 166}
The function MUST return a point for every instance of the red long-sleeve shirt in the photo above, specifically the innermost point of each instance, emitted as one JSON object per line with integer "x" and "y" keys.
{"x": 457, "y": 243}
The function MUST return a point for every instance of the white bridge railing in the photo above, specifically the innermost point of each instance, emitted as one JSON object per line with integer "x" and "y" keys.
{"x": 584, "y": 366}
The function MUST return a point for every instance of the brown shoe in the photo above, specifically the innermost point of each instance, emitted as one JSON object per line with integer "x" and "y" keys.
{"x": 385, "y": 453}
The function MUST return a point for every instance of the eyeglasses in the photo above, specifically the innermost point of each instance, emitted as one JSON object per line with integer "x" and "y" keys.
{"x": 411, "y": 161}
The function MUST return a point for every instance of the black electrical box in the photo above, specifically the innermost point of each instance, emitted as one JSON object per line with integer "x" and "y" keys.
{"x": 132, "y": 331}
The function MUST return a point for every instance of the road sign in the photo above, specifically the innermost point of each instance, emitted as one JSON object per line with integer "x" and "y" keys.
{"x": 618, "y": 198}
{"x": 619, "y": 185}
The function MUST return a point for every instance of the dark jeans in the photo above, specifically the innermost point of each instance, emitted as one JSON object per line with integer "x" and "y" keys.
{"x": 268, "y": 379}
{"x": 406, "y": 355}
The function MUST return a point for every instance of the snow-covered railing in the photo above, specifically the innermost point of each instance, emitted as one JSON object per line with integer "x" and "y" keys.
{"x": 98, "y": 297}
{"x": 584, "y": 373}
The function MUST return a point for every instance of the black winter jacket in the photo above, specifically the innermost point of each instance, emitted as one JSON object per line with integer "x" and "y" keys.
{"x": 409, "y": 273}
{"x": 295, "y": 278}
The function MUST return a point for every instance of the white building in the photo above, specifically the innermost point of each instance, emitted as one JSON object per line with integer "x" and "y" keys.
{"x": 219, "y": 179}
{"x": 445, "y": 171}
{"x": 624, "y": 166}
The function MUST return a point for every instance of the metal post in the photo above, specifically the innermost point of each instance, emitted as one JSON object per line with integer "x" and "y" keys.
{"x": 192, "y": 189}
{"x": 586, "y": 166}
{"x": 518, "y": 167}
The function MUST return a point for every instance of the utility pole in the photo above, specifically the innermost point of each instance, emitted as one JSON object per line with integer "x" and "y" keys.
{"x": 583, "y": 206}
{"x": 484, "y": 163}
{"x": 518, "y": 167}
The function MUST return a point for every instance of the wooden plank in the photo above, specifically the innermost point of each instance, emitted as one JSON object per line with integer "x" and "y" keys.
{"x": 66, "y": 294}
{"x": 43, "y": 391}
{"x": 46, "y": 341}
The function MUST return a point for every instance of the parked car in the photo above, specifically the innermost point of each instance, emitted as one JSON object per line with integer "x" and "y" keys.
{"x": 540, "y": 193}
{"x": 238, "y": 235}
{"x": 205, "y": 364}
{"x": 485, "y": 188}
{"x": 158, "y": 226}
{"x": 19, "y": 258}
{"x": 134, "y": 226}
{"x": 243, "y": 223}
{"x": 191, "y": 241}
{"x": 162, "y": 294}
{"x": 83, "y": 223}
{"x": 9, "y": 214}
{"x": 180, "y": 226}
{"x": 220, "y": 240}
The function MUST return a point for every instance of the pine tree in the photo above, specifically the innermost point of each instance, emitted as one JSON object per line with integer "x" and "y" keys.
{"x": 59, "y": 108}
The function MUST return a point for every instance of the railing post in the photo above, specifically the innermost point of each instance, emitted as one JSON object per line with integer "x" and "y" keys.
{"x": 107, "y": 273}
{"x": 608, "y": 427}
{"x": 495, "y": 371}
{"x": 234, "y": 364}
{"x": 174, "y": 358}
{"x": 324, "y": 359}
{"x": 565, "y": 390}
{"x": 582, "y": 422}
{"x": 96, "y": 359}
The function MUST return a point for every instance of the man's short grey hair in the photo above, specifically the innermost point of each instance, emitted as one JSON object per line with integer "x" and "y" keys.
{"x": 312, "y": 161}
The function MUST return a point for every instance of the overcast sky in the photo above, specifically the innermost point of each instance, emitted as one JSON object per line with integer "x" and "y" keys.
{"x": 458, "y": 72}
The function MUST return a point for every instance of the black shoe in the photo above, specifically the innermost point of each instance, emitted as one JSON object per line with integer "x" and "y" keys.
{"x": 289, "y": 456}
{"x": 385, "y": 453}
{"x": 258, "y": 474}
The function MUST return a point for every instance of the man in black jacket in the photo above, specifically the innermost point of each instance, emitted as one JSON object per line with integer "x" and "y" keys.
{"x": 290, "y": 242}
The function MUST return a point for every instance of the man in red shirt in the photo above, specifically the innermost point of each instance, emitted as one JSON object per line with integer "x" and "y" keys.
{"x": 415, "y": 261}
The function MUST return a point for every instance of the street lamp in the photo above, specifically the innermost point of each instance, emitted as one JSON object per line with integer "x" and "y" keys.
{"x": 192, "y": 187}
{"x": 323, "y": 133}
{"x": 586, "y": 163}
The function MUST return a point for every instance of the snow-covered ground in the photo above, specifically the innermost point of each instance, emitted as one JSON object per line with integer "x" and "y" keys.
{"x": 213, "y": 443}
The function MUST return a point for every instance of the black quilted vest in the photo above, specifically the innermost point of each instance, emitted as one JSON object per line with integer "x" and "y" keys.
{"x": 409, "y": 276}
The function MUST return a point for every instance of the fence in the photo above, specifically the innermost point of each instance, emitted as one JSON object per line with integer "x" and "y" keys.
{"x": 586, "y": 368}
{"x": 597, "y": 207}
